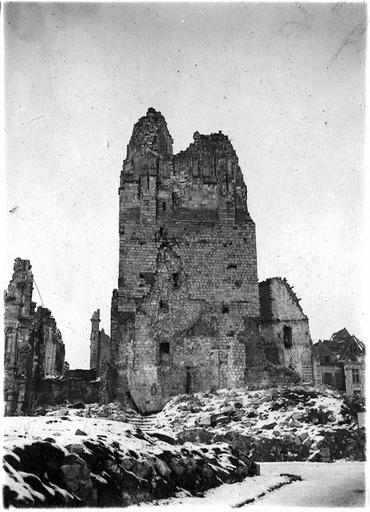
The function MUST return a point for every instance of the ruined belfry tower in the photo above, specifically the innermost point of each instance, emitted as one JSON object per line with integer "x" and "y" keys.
{"x": 185, "y": 315}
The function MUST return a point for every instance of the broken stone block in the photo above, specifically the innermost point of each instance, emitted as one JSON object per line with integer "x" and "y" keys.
{"x": 269, "y": 426}
{"x": 205, "y": 420}
{"x": 222, "y": 420}
{"x": 80, "y": 433}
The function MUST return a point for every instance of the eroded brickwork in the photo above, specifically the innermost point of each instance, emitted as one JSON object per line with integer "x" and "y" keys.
{"x": 185, "y": 314}
{"x": 285, "y": 329}
{"x": 34, "y": 349}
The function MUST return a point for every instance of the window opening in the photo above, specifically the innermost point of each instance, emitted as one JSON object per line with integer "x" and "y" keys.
{"x": 188, "y": 380}
{"x": 176, "y": 279}
{"x": 355, "y": 376}
{"x": 163, "y": 305}
{"x": 225, "y": 309}
{"x": 164, "y": 353}
{"x": 287, "y": 336}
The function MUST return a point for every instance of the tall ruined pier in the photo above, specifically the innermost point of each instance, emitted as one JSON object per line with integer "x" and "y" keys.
{"x": 185, "y": 315}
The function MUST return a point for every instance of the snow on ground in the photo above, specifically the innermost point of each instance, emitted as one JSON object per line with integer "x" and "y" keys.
{"x": 341, "y": 484}
{"x": 289, "y": 415}
{"x": 20, "y": 430}
{"x": 233, "y": 494}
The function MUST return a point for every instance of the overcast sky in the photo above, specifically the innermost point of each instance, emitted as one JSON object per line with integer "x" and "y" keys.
{"x": 285, "y": 82}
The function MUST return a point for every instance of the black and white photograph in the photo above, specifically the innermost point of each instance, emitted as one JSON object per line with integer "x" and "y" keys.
{"x": 184, "y": 267}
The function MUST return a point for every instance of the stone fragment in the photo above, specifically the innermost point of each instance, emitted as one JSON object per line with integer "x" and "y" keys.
{"x": 80, "y": 433}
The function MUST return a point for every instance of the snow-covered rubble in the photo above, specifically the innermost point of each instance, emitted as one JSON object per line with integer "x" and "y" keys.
{"x": 280, "y": 424}
{"x": 292, "y": 423}
{"x": 97, "y": 454}
{"x": 67, "y": 460}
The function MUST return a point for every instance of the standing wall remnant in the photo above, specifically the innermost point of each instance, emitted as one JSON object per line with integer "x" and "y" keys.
{"x": 185, "y": 315}
{"x": 99, "y": 346}
{"x": 284, "y": 328}
{"x": 34, "y": 349}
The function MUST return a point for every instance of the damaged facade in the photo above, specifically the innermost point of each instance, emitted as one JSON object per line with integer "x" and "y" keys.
{"x": 284, "y": 328}
{"x": 99, "y": 346}
{"x": 34, "y": 349}
{"x": 185, "y": 315}
{"x": 188, "y": 314}
{"x": 342, "y": 362}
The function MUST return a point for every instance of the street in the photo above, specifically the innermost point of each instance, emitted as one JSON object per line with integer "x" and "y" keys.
{"x": 340, "y": 484}
{"x": 326, "y": 485}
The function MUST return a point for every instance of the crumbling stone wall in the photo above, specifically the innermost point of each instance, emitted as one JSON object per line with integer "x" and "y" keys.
{"x": 18, "y": 320}
{"x": 99, "y": 346}
{"x": 285, "y": 329}
{"x": 47, "y": 340}
{"x": 185, "y": 315}
{"x": 74, "y": 386}
{"x": 33, "y": 345}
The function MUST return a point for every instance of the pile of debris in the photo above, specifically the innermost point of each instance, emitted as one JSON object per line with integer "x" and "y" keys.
{"x": 280, "y": 424}
{"x": 286, "y": 424}
{"x": 53, "y": 461}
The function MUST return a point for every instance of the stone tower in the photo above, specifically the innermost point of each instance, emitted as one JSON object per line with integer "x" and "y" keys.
{"x": 99, "y": 346}
{"x": 185, "y": 315}
{"x": 94, "y": 339}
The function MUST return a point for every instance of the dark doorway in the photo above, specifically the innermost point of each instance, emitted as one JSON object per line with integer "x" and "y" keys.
{"x": 188, "y": 380}
{"x": 287, "y": 333}
{"x": 272, "y": 355}
{"x": 176, "y": 279}
{"x": 164, "y": 353}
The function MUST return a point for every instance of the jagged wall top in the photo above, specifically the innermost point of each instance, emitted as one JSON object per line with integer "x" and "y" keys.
{"x": 150, "y": 135}
{"x": 210, "y": 160}
{"x": 21, "y": 285}
{"x": 96, "y": 315}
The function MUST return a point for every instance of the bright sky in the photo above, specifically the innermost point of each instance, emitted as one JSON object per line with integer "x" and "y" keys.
{"x": 285, "y": 82}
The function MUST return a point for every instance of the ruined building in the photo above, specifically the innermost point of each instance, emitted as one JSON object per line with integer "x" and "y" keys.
{"x": 185, "y": 315}
{"x": 34, "y": 349}
{"x": 99, "y": 346}
{"x": 284, "y": 328}
{"x": 342, "y": 362}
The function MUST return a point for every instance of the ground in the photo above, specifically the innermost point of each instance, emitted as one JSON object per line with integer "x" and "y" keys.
{"x": 306, "y": 441}
{"x": 341, "y": 484}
